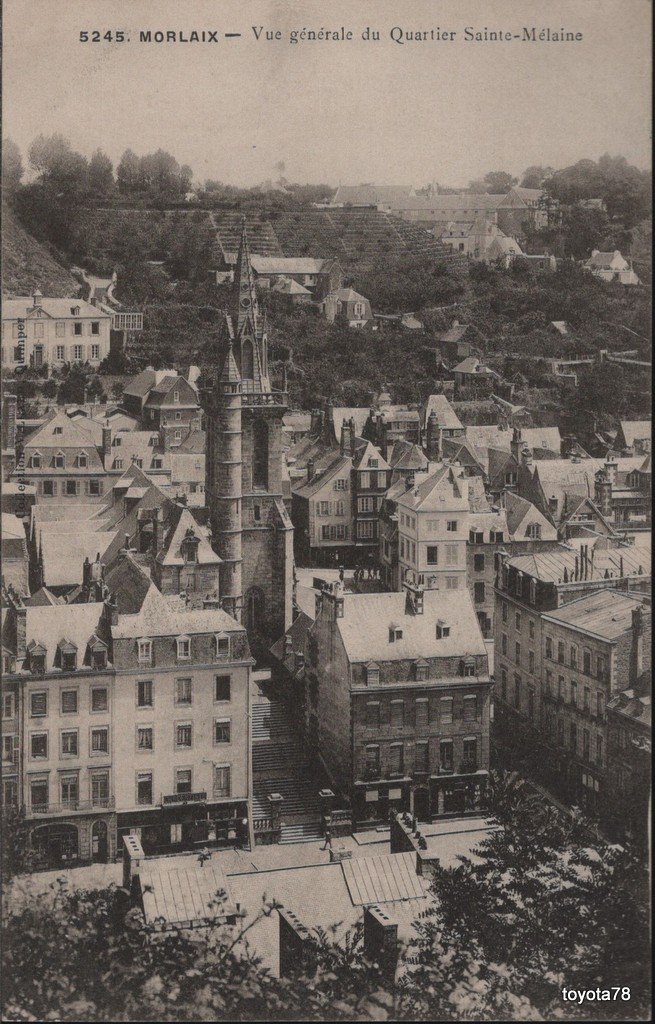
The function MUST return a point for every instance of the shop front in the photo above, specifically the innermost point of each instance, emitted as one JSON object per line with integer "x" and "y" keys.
{"x": 179, "y": 827}
{"x": 372, "y": 801}
{"x": 67, "y": 842}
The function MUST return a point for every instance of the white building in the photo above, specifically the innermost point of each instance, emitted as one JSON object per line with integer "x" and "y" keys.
{"x": 433, "y": 516}
{"x": 611, "y": 266}
{"x": 38, "y": 330}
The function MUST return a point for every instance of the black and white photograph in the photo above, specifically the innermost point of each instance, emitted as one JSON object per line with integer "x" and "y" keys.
{"x": 326, "y": 510}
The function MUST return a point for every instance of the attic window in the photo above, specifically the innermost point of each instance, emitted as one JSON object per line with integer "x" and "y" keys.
{"x": 67, "y": 655}
{"x": 117, "y": 442}
{"x": 35, "y": 461}
{"x": 145, "y": 651}
{"x": 373, "y": 463}
{"x": 421, "y": 670}
{"x": 442, "y": 630}
{"x": 183, "y": 648}
{"x": 395, "y": 633}
{"x": 59, "y": 460}
{"x": 157, "y": 462}
{"x": 372, "y": 674}
{"x": 75, "y": 310}
{"x": 222, "y": 646}
{"x": 82, "y": 460}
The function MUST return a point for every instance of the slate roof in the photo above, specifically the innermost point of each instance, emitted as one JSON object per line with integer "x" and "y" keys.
{"x": 371, "y": 194}
{"x": 48, "y": 624}
{"x": 326, "y": 466}
{"x": 549, "y": 565}
{"x": 364, "y": 628}
{"x": 637, "y": 707}
{"x": 180, "y": 891}
{"x": 128, "y": 582}
{"x": 64, "y": 552}
{"x": 287, "y": 265}
{"x": 517, "y": 509}
{"x": 341, "y": 413}
{"x": 405, "y": 455}
{"x": 297, "y": 631}
{"x": 446, "y": 415}
{"x": 440, "y": 491}
{"x": 172, "y": 553}
{"x": 161, "y": 616}
{"x": 73, "y": 435}
{"x": 287, "y": 286}
{"x": 58, "y": 309}
{"x": 606, "y": 614}
{"x": 193, "y": 444}
{"x": 636, "y": 430}
{"x": 384, "y": 878}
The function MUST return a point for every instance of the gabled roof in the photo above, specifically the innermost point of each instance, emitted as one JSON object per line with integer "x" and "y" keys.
{"x": 47, "y": 624}
{"x": 364, "y": 628}
{"x": 193, "y": 444}
{"x": 64, "y": 552}
{"x": 517, "y": 508}
{"x": 70, "y": 434}
{"x": 439, "y": 492}
{"x": 348, "y": 295}
{"x": 446, "y": 416}
{"x": 287, "y": 286}
{"x": 162, "y": 616}
{"x": 297, "y": 632}
{"x": 57, "y": 309}
{"x": 326, "y": 467}
{"x": 186, "y": 525}
{"x": 405, "y": 455}
{"x": 636, "y": 430}
{"x": 366, "y": 453}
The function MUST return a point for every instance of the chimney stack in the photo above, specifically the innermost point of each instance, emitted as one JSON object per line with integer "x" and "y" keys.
{"x": 637, "y": 646}
{"x": 106, "y": 441}
{"x": 310, "y": 468}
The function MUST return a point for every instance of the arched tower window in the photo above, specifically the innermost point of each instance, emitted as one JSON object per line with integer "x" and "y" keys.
{"x": 247, "y": 360}
{"x": 254, "y": 610}
{"x": 260, "y": 454}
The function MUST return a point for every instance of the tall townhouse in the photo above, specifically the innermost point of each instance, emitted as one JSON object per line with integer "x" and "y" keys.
{"x": 397, "y": 701}
{"x": 562, "y": 619}
{"x": 57, "y": 691}
{"x": 433, "y": 517}
{"x": 182, "y": 752}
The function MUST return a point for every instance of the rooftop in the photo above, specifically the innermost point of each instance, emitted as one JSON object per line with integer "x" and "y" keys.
{"x": 551, "y": 566}
{"x": 161, "y": 616}
{"x": 606, "y": 614}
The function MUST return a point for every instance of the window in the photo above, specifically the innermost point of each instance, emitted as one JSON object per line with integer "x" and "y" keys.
{"x": 60, "y": 332}
{"x": 77, "y": 353}
{"x": 531, "y": 661}
{"x": 397, "y": 714}
{"x": 8, "y": 705}
{"x": 422, "y": 756}
{"x": 100, "y": 789}
{"x": 183, "y": 691}
{"x": 222, "y": 687}
{"x": 505, "y": 611}
{"x": 452, "y": 554}
{"x": 372, "y": 675}
{"x": 517, "y": 692}
{"x": 531, "y": 703}
{"x": 72, "y": 487}
{"x": 60, "y": 352}
{"x": 560, "y": 651}
{"x": 39, "y": 794}
{"x": 222, "y": 781}
{"x": 77, "y": 329}
{"x": 600, "y": 666}
{"x": 145, "y": 651}
{"x": 476, "y": 536}
{"x": 183, "y": 648}
{"x": 364, "y": 481}
{"x": 470, "y": 750}
{"x": 366, "y": 504}
{"x": 446, "y": 755}
{"x": 549, "y": 647}
{"x": 421, "y": 713}
{"x": 341, "y": 485}
{"x": 69, "y": 702}
{"x": 573, "y": 737}
{"x": 340, "y": 508}
{"x": 39, "y": 745}
{"x": 470, "y": 708}
{"x": 144, "y": 738}
{"x": 94, "y": 488}
{"x": 365, "y": 531}
{"x": 49, "y": 488}
{"x": 38, "y": 704}
{"x": 183, "y": 734}
{"x": 82, "y": 460}
{"x": 372, "y": 760}
{"x": 70, "y": 790}
{"x": 222, "y": 730}
{"x": 574, "y": 693}
{"x": 144, "y": 693}
{"x": 118, "y": 463}
{"x": 373, "y": 714}
{"x": 446, "y": 710}
{"x": 503, "y": 643}
{"x": 452, "y": 583}
{"x": 574, "y": 656}
{"x": 600, "y": 704}
{"x": 478, "y": 589}
{"x": 599, "y": 749}
{"x": 586, "y": 699}
{"x": 69, "y": 743}
{"x": 59, "y": 461}
{"x": 534, "y": 531}
{"x": 561, "y": 689}
{"x": 395, "y": 633}
{"x": 586, "y": 662}
{"x": 433, "y": 554}
{"x": 478, "y": 563}
{"x": 396, "y": 759}
{"x": 451, "y": 526}
{"x": 100, "y": 741}
{"x": 95, "y": 327}
{"x": 183, "y": 780}
{"x": 420, "y": 671}
{"x": 144, "y": 789}
{"x": 503, "y": 684}
{"x": 467, "y": 668}
{"x": 222, "y": 647}
{"x": 35, "y": 461}
{"x": 517, "y": 653}
{"x": 586, "y": 748}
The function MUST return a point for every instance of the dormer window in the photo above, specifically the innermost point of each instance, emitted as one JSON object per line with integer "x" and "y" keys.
{"x": 176, "y": 396}
{"x": 117, "y": 442}
{"x": 442, "y": 630}
{"x": 157, "y": 462}
{"x": 144, "y": 647}
{"x": 60, "y": 460}
{"x": 183, "y": 648}
{"x": 97, "y": 653}
{"x": 467, "y": 667}
{"x": 395, "y": 633}
{"x": 35, "y": 461}
{"x": 372, "y": 674}
{"x": 420, "y": 670}
{"x": 36, "y": 653}
{"x": 82, "y": 460}
{"x": 67, "y": 655}
{"x": 75, "y": 310}
{"x": 58, "y": 430}
{"x": 222, "y": 646}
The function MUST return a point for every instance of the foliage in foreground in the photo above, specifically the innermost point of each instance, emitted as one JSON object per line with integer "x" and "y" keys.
{"x": 539, "y": 908}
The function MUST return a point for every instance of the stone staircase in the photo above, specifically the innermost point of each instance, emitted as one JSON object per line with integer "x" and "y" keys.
{"x": 304, "y": 833}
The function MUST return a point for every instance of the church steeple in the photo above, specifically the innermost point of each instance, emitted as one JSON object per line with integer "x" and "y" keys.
{"x": 247, "y": 324}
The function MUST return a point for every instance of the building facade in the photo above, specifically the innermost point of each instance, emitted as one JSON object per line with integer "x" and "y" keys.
{"x": 38, "y": 331}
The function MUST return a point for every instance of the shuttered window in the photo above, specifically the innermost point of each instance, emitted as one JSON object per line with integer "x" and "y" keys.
{"x": 421, "y": 712}
{"x": 397, "y": 714}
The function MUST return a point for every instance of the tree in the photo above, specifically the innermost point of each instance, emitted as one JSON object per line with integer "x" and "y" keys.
{"x": 101, "y": 174}
{"x": 17, "y": 853}
{"x": 494, "y": 182}
{"x": 12, "y": 167}
{"x": 117, "y": 390}
{"x": 58, "y": 165}
{"x": 128, "y": 172}
{"x": 535, "y": 175}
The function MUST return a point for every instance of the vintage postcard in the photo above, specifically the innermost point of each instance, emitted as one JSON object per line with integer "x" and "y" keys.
{"x": 326, "y": 510}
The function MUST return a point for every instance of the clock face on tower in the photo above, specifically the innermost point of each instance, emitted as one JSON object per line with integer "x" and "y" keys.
{"x": 245, "y": 302}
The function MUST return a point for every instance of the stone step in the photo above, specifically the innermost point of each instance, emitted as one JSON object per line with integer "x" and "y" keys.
{"x": 308, "y": 833}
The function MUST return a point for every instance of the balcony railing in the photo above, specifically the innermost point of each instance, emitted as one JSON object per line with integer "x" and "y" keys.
{"x": 68, "y": 806}
{"x": 256, "y": 398}
{"x": 184, "y": 798}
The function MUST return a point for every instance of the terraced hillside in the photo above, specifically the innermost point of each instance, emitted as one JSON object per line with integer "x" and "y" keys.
{"x": 27, "y": 264}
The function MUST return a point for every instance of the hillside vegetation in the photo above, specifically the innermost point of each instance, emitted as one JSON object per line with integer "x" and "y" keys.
{"x": 27, "y": 263}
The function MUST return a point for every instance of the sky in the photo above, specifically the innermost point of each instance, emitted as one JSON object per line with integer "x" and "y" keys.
{"x": 346, "y": 111}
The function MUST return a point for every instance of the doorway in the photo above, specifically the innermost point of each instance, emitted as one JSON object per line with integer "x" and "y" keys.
{"x": 99, "y": 842}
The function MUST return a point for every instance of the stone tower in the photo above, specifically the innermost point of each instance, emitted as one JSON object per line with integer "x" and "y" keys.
{"x": 246, "y": 483}
{"x": 433, "y": 438}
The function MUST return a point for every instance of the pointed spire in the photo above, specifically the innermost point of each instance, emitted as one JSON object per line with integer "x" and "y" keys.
{"x": 244, "y": 293}
{"x": 230, "y": 372}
